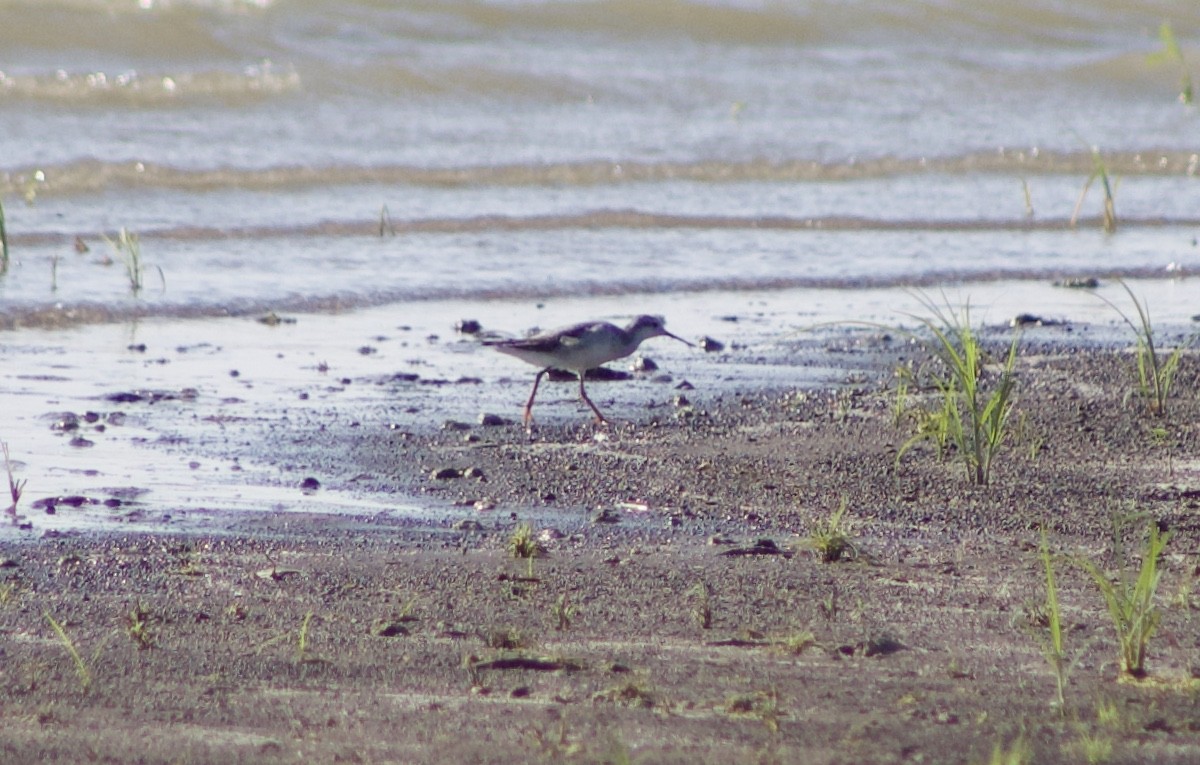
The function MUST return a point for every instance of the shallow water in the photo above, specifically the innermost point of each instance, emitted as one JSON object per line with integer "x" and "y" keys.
{"x": 366, "y": 166}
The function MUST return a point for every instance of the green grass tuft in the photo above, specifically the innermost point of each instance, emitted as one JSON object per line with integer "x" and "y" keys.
{"x": 524, "y": 544}
{"x": 1171, "y": 53}
{"x": 1130, "y": 599}
{"x": 3, "y": 242}
{"x": 1156, "y": 371}
{"x": 1099, "y": 172}
{"x": 972, "y": 416}
{"x": 1053, "y": 647}
{"x": 82, "y": 671}
{"x": 831, "y": 538}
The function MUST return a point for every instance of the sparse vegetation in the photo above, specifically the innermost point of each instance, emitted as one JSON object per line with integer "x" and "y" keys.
{"x": 831, "y": 538}
{"x": 701, "y": 605}
{"x": 385, "y": 222}
{"x": 3, "y": 242}
{"x": 973, "y": 415}
{"x": 1130, "y": 599}
{"x": 1156, "y": 371}
{"x": 302, "y": 654}
{"x": 633, "y": 693}
{"x": 763, "y": 705}
{"x": 1092, "y": 748}
{"x": 1171, "y": 53}
{"x": 138, "y": 628}
{"x": 128, "y": 248}
{"x": 563, "y": 612}
{"x": 15, "y": 487}
{"x": 1099, "y": 172}
{"x": 524, "y": 544}
{"x": 1016, "y": 753}
{"x": 82, "y": 671}
{"x": 797, "y": 642}
{"x": 1052, "y": 641}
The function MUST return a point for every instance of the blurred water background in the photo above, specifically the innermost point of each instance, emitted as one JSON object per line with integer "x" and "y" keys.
{"x": 511, "y": 148}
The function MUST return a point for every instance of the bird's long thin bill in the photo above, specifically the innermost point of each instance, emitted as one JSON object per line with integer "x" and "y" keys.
{"x": 677, "y": 337}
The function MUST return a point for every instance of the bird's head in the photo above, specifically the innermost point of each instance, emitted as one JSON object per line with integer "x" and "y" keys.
{"x": 645, "y": 327}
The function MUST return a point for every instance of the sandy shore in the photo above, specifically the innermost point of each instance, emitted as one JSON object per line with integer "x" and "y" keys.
{"x": 677, "y": 615}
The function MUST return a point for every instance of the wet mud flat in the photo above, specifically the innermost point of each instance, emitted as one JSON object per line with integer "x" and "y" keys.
{"x": 675, "y": 613}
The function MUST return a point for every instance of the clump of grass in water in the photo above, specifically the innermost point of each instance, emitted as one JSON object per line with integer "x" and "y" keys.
{"x": 1130, "y": 599}
{"x": 1172, "y": 53}
{"x": 976, "y": 421}
{"x": 129, "y": 248}
{"x": 1156, "y": 372}
{"x": 830, "y": 538}
{"x": 15, "y": 487}
{"x": 3, "y": 242}
{"x": 1099, "y": 171}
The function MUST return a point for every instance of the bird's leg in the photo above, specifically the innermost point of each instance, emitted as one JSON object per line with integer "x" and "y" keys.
{"x": 528, "y": 418}
{"x": 583, "y": 394}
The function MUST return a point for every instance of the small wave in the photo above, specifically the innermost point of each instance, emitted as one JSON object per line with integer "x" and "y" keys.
{"x": 90, "y": 176}
{"x": 130, "y": 87}
{"x": 59, "y": 314}
{"x": 605, "y": 219}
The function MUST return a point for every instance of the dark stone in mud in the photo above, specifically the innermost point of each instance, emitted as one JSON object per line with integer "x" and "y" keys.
{"x": 1032, "y": 320}
{"x": 389, "y": 629}
{"x": 492, "y": 420}
{"x": 367, "y": 350}
{"x": 467, "y": 524}
{"x": 50, "y": 503}
{"x": 643, "y": 364}
{"x": 310, "y": 484}
{"x": 710, "y": 345}
{"x": 136, "y": 347}
{"x": 605, "y": 515}
{"x": 467, "y": 326}
{"x": 601, "y": 373}
{"x": 455, "y": 425}
{"x": 446, "y": 474}
{"x": 1079, "y": 283}
{"x": 880, "y": 645}
{"x": 152, "y": 396}
{"x": 272, "y": 319}
{"x": 82, "y": 443}
{"x": 760, "y": 547}
{"x": 64, "y": 422}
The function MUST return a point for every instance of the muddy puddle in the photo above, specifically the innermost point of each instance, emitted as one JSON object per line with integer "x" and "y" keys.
{"x": 199, "y": 424}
